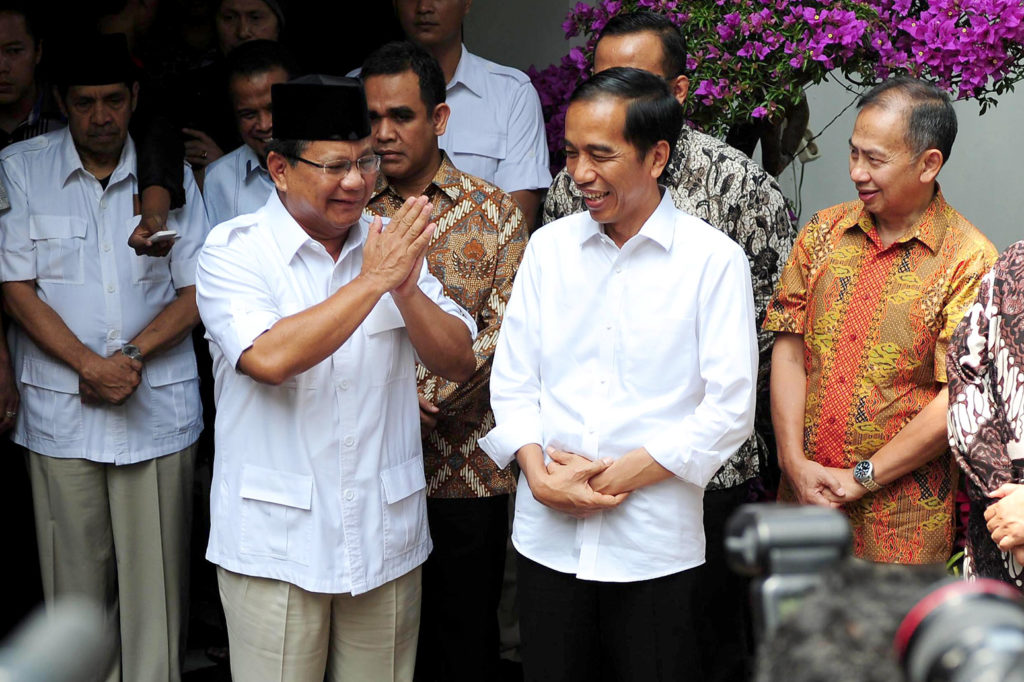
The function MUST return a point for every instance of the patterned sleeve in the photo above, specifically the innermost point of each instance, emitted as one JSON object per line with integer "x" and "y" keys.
{"x": 978, "y": 425}
{"x": 963, "y": 293}
{"x": 512, "y": 235}
{"x": 787, "y": 309}
{"x": 559, "y": 201}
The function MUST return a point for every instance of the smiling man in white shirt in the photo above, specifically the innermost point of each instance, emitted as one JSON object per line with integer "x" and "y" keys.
{"x": 316, "y": 316}
{"x": 624, "y": 377}
{"x": 104, "y": 363}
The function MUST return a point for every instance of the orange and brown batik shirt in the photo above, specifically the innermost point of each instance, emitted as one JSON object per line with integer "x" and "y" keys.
{"x": 475, "y": 252}
{"x": 876, "y": 323}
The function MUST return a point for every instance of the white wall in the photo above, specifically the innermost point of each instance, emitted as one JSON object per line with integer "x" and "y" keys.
{"x": 983, "y": 179}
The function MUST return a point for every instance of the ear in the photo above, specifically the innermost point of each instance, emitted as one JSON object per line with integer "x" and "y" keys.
{"x": 39, "y": 51}
{"x": 930, "y": 163}
{"x": 680, "y": 86}
{"x": 276, "y": 167}
{"x": 658, "y": 155}
{"x": 135, "y": 95}
{"x": 469, "y": 3}
{"x": 440, "y": 118}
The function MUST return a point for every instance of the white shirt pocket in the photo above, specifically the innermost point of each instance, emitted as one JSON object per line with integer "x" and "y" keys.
{"x": 59, "y": 242}
{"x": 50, "y": 404}
{"x": 175, "y": 406}
{"x": 405, "y": 517}
{"x": 477, "y": 152}
{"x": 147, "y": 269}
{"x": 275, "y": 514}
{"x": 391, "y": 357}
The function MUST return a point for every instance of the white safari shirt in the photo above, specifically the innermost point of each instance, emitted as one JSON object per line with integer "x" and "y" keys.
{"x": 235, "y": 184}
{"x": 70, "y": 236}
{"x": 318, "y": 482}
{"x": 602, "y": 351}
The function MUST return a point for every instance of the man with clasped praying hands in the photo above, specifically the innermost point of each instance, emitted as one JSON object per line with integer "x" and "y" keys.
{"x": 315, "y": 316}
{"x": 623, "y": 379}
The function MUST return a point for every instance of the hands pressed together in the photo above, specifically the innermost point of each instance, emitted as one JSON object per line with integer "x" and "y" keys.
{"x": 824, "y": 486}
{"x": 393, "y": 257}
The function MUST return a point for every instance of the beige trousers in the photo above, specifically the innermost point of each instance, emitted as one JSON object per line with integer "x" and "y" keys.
{"x": 278, "y": 632}
{"x": 120, "y": 535}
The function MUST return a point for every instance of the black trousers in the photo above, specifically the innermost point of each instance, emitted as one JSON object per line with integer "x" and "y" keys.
{"x": 461, "y": 588}
{"x": 725, "y": 634}
{"x": 590, "y": 631}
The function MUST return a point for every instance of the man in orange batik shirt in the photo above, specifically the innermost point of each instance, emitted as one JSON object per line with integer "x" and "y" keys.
{"x": 864, "y": 311}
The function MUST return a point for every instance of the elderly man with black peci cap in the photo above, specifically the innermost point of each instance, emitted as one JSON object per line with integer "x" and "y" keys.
{"x": 316, "y": 316}
{"x": 104, "y": 363}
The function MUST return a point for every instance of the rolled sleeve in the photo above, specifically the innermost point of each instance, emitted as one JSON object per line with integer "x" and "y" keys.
{"x": 17, "y": 251}
{"x": 192, "y": 225}
{"x": 525, "y": 166}
{"x": 234, "y": 302}
{"x": 515, "y": 373}
{"x": 701, "y": 442}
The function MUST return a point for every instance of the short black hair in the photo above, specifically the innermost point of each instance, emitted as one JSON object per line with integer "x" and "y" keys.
{"x": 673, "y": 44}
{"x": 289, "y": 149}
{"x": 259, "y": 56}
{"x": 931, "y": 120}
{"x": 653, "y": 113}
{"x": 27, "y": 13}
{"x": 400, "y": 56}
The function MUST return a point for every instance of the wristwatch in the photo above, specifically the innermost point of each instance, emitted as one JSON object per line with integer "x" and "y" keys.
{"x": 864, "y": 473}
{"x": 131, "y": 351}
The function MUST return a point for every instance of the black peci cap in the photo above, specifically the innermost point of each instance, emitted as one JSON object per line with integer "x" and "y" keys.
{"x": 320, "y": 107}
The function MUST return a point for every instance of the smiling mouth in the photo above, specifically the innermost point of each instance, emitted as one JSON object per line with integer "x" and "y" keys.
{"x": 594, "y": 196}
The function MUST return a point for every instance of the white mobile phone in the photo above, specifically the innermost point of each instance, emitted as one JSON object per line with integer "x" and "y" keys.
{"x": 163, "y": 236}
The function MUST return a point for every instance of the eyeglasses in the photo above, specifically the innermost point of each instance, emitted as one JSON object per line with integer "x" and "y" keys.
{"x": 338, "y": 169}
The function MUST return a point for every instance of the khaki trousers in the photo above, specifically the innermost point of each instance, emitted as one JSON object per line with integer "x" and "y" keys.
{"x": 278, "y": 632}
{"x": 120, "y": 535}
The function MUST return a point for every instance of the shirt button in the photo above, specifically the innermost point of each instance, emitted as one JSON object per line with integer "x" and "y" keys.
{"x": 608, "y": 327}
{"x": 112, "y": 334}
{"x": 103, "y": 203}
{"x": 350, "y": 495}
{"x": 618, "y": 269}
{"x": 106, "y": 246}
{"x": 110, "y": 288}
{"x": 350, "y": 441}
{"x": 344, "y": 384}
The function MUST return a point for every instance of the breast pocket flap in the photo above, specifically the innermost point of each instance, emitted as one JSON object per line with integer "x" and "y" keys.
{"x": 165, "y": 370}
{"x": 403, "y": 480}
{"x": 490, "y": 144}
{"x": 49, "y": 375}
{"x": 279, "y": 487}
{"x": 383, "y": 317}
{"x": 56, "y": 226}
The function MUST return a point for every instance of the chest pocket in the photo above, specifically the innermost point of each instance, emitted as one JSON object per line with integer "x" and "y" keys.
{"x": 477, "y": 152}
{"x": 389, "y": 353}
{"x": 147, "y": 269}
{"x": 59, "y": 242}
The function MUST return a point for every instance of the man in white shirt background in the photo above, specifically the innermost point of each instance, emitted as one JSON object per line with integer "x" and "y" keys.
{"x": 238, "y": 182}
{"x": 315, "y": 317}
{"x": 104, "y": 364}
{"x": 496, "y": 128}
{"x": 624, "y": 377}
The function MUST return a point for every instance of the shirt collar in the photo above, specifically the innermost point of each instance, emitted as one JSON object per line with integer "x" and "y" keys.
{"x": 290, "y": 237}
{"x": 930, "y": 229}
{"x": 658, "y": 228}
{"x": 448, "y": 179}
{"x": 470, "y": 73}
{"x": 71, "y": 162}
{"x": 252, "y": 164}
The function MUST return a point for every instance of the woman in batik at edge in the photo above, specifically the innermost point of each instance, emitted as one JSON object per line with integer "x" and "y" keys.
{"x": 986, "y": 420}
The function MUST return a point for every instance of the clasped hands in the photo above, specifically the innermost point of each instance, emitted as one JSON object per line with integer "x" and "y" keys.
{"x": 824, "y": 486}
{"x": 1005, "y": 519}
{"x": 109, "y": 380}
{"x": 577, "y": 486}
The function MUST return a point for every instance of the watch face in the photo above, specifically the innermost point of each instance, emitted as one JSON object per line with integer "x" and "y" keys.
{"x": 862, "y": 471}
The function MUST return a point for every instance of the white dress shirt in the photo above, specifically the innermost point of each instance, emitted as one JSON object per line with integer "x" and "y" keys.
{"x": 603, "y": 351}
{"x": 235, "y": 184}
{"x": 496, "y": 127}
{"x": 67, "y": 233}
{"x": 318, "y": 482}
